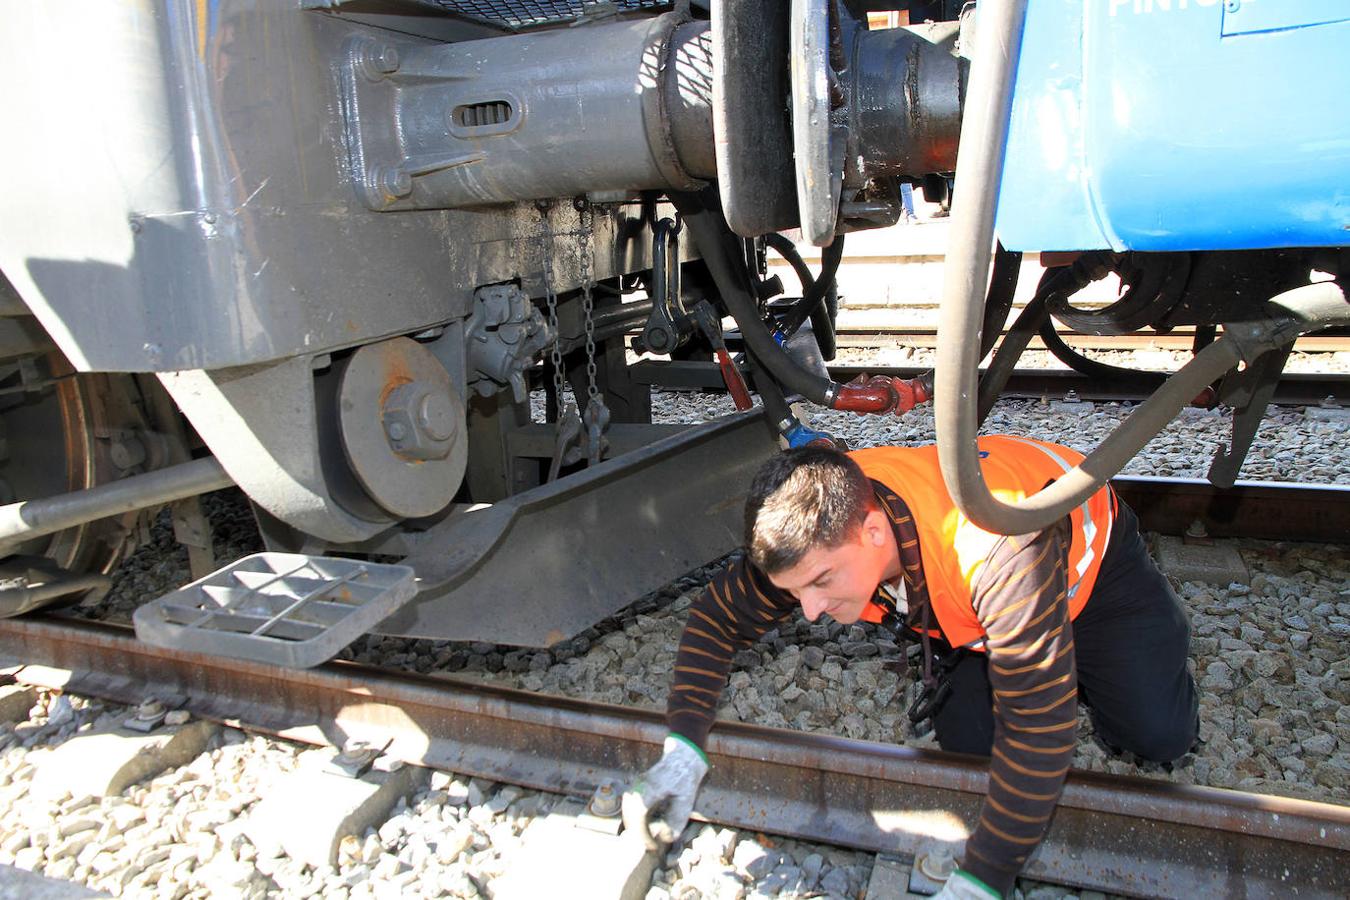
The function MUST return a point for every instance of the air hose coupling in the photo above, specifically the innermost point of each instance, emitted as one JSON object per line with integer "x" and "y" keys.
{"x": 884, "y": 394}
{"x": 799, "y": 435}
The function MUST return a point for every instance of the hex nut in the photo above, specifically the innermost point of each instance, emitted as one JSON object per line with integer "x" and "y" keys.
{"x": 376, "y": 60}
{"x": 419, "y": 422}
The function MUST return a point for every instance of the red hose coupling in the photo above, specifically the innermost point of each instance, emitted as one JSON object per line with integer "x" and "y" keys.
{"x": 882, "y": 394}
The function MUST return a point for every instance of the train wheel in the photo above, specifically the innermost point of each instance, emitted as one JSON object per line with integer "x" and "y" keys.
{"x": 63, "y": 431}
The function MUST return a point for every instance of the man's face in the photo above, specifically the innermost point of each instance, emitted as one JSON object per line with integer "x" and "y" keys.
{"x": 840, "y": 581}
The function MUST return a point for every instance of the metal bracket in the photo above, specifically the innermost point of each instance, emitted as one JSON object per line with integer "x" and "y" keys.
{"x": 668, "y": 326}
{"x": 381, "y": 171}
{"x": 191, "y": 529}
{"x": 1249, "y": 392}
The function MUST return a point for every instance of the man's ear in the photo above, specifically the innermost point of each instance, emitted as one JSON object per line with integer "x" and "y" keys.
{"x": 875, "y": 527}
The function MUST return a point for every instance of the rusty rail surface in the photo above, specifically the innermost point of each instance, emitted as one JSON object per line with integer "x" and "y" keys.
{"x": 1133, "y": 836}
{"x": 1266, "y": 510}
{"x": 1293, "y": 389}
{"x": 888, "y": 335}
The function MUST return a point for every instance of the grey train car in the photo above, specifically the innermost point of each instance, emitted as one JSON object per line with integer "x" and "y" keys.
{"x": 320, "y": 249}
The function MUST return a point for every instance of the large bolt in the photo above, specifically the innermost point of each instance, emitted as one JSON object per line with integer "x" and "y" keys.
{"x": 938, "y": 864}
{"x": 127, "y": 452}
{"x": 378, "y": 60}
{"x": 435, "y": 417}
{"x": 420, "y": 422}
{"x": 392, "y": 182}
{"x": 606, "y": 801}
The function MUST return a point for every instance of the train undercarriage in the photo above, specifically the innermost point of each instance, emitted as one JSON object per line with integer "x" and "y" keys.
{"x": 325, "y": 252}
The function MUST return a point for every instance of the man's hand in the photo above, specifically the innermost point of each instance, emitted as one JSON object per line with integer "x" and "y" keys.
{"x": 965, "y": 886}
{"x": 657, "y": 807}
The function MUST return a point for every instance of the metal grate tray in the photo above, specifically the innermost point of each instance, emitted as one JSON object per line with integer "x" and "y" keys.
{"x": 287, "y": 609}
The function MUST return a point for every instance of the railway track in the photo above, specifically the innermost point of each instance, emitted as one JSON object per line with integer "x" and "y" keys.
{"x": 1123, "y": 835}
{"x": 887, "y": 335}
{"x": 1293, "y": 389}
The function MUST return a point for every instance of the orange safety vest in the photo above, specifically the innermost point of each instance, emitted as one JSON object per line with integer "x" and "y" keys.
{"x": 954, "y": 550}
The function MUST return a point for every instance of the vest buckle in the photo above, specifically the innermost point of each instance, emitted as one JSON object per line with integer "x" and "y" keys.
{"x": 937, "y": 685}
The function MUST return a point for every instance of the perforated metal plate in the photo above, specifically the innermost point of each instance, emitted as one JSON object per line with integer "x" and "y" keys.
{"x": 288, "y": 609}
{"x": 527, "y": 13}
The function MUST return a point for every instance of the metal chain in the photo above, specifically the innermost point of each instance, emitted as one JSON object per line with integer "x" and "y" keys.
{"x": 586, "y": 221}
{"x": 551, "y": 300}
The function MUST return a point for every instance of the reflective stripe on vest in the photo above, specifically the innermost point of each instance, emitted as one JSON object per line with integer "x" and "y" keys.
{"x": 1089, "y": 526}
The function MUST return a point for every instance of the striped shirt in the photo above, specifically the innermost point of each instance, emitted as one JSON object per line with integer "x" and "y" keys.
{"x": 1020, "y": 599}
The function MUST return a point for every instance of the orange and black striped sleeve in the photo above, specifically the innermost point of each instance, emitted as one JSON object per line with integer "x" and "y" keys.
{"x": 739, "y": 606}
{"x": 1020, "y": 597}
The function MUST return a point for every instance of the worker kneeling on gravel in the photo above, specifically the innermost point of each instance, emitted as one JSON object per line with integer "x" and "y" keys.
{"x": 1014, "y": 629}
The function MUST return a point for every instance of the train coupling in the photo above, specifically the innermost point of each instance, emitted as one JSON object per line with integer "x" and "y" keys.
{"x": 884, "y": 394}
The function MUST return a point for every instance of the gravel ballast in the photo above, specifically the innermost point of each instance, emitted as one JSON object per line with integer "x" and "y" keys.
{"x": 183, "y": 833}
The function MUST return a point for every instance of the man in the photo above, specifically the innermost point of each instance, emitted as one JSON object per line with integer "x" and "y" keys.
{"x": 1015, "y": 629}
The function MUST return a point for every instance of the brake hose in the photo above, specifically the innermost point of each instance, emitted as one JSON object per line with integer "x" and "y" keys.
{"x": 879, "y": 395}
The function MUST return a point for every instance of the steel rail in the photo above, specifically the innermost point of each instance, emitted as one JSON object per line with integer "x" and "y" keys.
{"x": 1265, "y": 510}
{"x": 1294, "y": 389}
{"x": 1133, "y": 836}
{"x": 887, "y": 335}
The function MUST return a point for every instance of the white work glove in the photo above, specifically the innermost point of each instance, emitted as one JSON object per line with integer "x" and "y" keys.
{"x": 965, "y": 886}
{"x": 657, "y": 807}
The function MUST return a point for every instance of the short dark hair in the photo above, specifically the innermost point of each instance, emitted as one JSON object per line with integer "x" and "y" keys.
{"x": 804, "y": 498}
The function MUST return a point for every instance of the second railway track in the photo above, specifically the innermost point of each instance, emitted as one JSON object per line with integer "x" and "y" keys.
{"x": 1294, "y": 389}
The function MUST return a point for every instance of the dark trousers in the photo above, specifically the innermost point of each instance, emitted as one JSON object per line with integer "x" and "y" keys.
{"x": 1131, "y": 642}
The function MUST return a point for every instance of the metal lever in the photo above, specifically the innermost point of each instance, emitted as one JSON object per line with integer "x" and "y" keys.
{"x": 668, "y": 325}
{"x": 1249, "y": 394}
{"x": 708, "y": 323}
{"x": 567, "y": 449}
{"x": 596, "y": 419}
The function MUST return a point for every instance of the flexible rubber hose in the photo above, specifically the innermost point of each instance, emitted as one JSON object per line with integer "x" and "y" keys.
{"x": 1002, "y": 288}
{"x": 812, "y": 299}
{"x": 822, "y": 312}
{"x": 1014, "y": 344}
{"x": 776, "y": 409}
{"x": 823, "y": 318}
{"x": 1144, "y": 380}
{"x": 704, "y": 221}
{"x": 786, "y": 249}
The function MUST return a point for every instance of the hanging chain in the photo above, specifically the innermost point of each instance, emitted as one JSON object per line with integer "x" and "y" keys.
{"x": 586, "y": 221}
{"x": 551, "y": 300}
{"x": 596, "y": 416}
